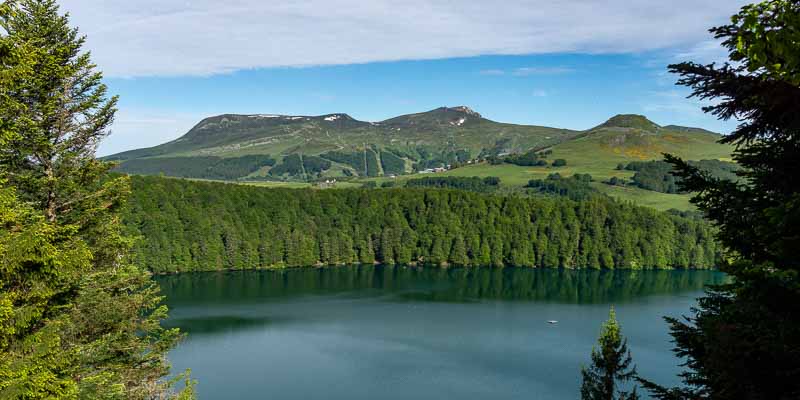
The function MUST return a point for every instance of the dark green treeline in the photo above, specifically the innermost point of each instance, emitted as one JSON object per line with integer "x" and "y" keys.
{"x": 194, "y": 226}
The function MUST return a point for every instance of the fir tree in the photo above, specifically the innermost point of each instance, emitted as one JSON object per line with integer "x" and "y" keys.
{"x": 611, "y": 365}
{"x": 458, "y": 253}
{"x": 40, "y": 262}
{"x": 79, "y": 319}
{"x": 743, "y": 340}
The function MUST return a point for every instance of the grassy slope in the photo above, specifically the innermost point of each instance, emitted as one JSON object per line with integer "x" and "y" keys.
{"x": 598, "y": 152}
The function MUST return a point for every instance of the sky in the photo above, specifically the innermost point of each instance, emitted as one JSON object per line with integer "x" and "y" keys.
{"x": 568, "y": 63}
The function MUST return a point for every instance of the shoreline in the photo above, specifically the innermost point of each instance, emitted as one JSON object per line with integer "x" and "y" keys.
{"x": 421, "y": 266}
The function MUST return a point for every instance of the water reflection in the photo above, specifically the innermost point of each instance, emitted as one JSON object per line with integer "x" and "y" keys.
{"x": 208, "y": 325}
{"x": 365, "y": 332}
{"x": 433, "y": 284}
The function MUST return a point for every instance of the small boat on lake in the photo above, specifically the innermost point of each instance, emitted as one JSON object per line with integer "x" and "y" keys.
{"x": 552, "y": 322}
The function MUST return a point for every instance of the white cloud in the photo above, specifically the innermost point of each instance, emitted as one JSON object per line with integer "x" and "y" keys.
{"x": 539, "y": 93}
{"x": 205, "y": 37}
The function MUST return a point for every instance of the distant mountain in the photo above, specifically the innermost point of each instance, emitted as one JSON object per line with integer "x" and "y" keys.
{"x": 440, "y": 118}
{"x": 336, "y": 144}
{"x": 628, "y": 137}
{"x": 629, "y": 121}
{"x": 229, "y": 133}
{"x": 289, "y": 147}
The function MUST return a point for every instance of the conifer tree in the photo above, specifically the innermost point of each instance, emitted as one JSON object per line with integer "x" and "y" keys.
{"x": 458, "y": 253}
{"x": 611, "y": 366}
{"x": 743, "y": 339}
{"x": 79, "y": 319}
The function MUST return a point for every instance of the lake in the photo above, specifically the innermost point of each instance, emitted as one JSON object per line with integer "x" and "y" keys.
{"x": 375, "y": 332}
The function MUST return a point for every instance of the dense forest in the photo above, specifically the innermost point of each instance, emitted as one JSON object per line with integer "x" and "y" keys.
{"x": 392, "y": 164}
{"x": 658, "y": 175}
{"x": 189, "y": 226}
{"x": 198, "y": 167}
{"x": 529, "y": 159}
{"x": 365, "y": 163}
{"x": 298, "y": 164}
{"x": 432, "y": 159}
{"x": 474, "y": 184}
{"x": 575, "y": 187}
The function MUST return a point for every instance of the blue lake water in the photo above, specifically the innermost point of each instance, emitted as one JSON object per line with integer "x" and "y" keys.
{"x": 367, "y": 332}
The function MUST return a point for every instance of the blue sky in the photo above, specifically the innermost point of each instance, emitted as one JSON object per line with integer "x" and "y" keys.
{"x": 570, "y": 64}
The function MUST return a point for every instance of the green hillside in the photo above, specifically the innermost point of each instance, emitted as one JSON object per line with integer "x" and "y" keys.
{"x": 277, "y": 148}
{"x": 599, "y": 152}
{"x": 353, "y": 148}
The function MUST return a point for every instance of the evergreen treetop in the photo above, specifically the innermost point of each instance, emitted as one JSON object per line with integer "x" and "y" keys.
{"x": 77, "y": 318}
{"x": 743, "y": 339}
{"x": 612, "y": 365}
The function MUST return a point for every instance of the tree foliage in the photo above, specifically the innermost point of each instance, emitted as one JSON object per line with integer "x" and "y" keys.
{"x": 302, "y": 165}
{"x": 743, "y": 340}
{"x": 364, "y": 162}
{"x": 392, "y": 164}
{"x": 197, "y": 167}
{"x": 527, "y": 159}
{"x": 474, "y": 183}
{"x": 575, "y": 187}
{"x": 40, "y": 262}
{"x": 355, "y": 160}
{"x": 763, "y": 37}
{"x": 429, "y": 159}
{"x": 77, "y": 319}
{"x": 189, "y": 226}
{"x": 372, "y": 162}
{"x": 611, "y": 366}
{"x": 658, "y": 175}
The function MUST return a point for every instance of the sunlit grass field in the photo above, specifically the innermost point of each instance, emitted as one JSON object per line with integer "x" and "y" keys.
{"x": 598, "y": 155}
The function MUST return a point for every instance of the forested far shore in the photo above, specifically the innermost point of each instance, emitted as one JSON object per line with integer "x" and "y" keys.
{"x": 198, "y": 226}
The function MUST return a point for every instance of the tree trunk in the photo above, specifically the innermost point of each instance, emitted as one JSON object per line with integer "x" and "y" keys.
{"x": 50, "y": 205}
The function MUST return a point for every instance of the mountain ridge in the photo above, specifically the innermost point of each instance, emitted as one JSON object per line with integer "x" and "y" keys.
{"x": 337, "y": 144}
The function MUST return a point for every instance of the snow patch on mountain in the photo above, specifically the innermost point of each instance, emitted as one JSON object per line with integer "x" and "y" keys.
{"x": 459, "y": 122}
